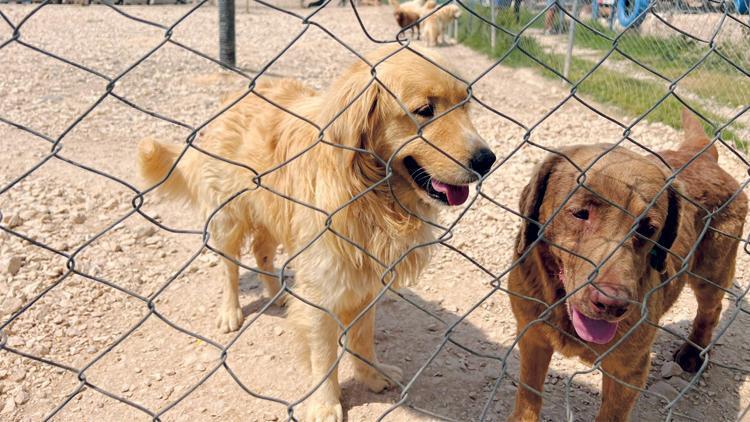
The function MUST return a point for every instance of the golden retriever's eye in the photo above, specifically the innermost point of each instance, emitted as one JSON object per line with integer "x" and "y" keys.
{"x": 427, "y": 110}
{"x": 581, "y": 214}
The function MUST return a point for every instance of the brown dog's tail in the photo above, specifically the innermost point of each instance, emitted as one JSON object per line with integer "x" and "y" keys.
{"x": 695, "y": 136}
{"x": 155, "y": 160}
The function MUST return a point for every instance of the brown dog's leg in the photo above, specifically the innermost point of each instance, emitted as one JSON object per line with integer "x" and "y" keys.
{"x": 229, "y": 242}
{"x": 361, "y": 340}
{"x": 618, "y": 399}
{"x": 535, "y": 358}
{"x": 716, "y": 265}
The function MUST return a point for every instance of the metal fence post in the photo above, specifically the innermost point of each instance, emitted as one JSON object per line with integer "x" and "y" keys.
{"x": 227, "y": 52}
{"x": 493, "y": 30}
{"x": 571, "y": 37}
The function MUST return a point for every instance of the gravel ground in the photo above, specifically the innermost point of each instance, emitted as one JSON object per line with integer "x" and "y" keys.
{"x": 79, "y": 319}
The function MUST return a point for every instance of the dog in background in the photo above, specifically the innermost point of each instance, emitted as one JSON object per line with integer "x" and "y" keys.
{"x": 372, "y": 206}
{"x": 407, "y": 15}
{"x": 592, "y": 229}
{"x": 435, "y": 25}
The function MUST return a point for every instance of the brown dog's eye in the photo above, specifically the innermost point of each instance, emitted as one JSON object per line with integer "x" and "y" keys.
{"x": 581, "y": 214}
{"x": 645, "y": 228}
{"x": 427, "y": 110}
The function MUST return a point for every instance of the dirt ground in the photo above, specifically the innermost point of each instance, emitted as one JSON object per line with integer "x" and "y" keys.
{"x": 79, "y": 321}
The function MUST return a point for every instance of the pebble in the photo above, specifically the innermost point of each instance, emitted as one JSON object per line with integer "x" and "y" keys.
{"x": 270, "y": 417}
{"x": 14, "y": 221}
{"x": 278, "y": 331}
{"x": 21, "y": 397}
{"x": 661, "y": 388}
{"x": 13, "y": 264}
{"x": 79, "y": 218}
{"x": 671, "y": 369}
{"x": 17, "y": 375}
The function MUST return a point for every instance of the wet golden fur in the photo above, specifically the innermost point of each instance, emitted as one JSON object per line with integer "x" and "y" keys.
{"x": 547, "y": 273}
{"x": 329, "y": 271}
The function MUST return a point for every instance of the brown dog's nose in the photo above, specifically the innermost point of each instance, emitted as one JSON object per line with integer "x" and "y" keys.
{"x": 482, "y": 161}
{"x": 609, "y": 300}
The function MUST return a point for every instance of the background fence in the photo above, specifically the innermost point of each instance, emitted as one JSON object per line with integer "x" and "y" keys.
{"x": 105, "y": 313}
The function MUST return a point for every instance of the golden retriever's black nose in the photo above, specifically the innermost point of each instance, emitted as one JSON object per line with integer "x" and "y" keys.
{"x": 610, "y": 300}
{"x": 482, "y": 160}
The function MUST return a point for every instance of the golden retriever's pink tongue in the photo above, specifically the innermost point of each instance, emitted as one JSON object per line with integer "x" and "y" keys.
{"x": 456, "y": 194}
{"x": 593, "y": 330}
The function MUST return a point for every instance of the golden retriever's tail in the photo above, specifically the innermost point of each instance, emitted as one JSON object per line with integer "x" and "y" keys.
{"x": 155, "y": 159}
{"x": 395, "y": 4}
{"x": 695, "y": 136}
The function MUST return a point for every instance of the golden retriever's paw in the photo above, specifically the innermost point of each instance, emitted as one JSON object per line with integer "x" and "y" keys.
{"x": 229, "y": 319}
{"x": 376, "y": 381}
{"x": 325, "y": 412}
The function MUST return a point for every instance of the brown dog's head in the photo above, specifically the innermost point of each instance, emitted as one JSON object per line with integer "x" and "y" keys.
{"x": 594, "y": 227}
{"x": 433, "y": 170}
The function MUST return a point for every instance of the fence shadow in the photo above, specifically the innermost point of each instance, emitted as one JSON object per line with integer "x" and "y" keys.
{"x": 457, "y": 384}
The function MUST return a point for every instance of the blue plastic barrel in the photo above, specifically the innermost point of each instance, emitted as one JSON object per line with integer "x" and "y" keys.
{"x": 632, "y": 17}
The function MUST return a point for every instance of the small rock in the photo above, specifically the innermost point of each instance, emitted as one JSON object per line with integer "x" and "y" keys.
{"x": 270, "y": 417}
{"x": 278, "y": 331}
{"x": 9, "y": 407}
{"x": 14, "y": 221}
{"x": 17, "y": 375}
{"x": 670, "y": 369}
{"x": 79, "y": 218}
{"x": 21, "y": 397}
{"x": 663, "y": 390}
{"x": 145, "y": 232}
{"x": 13, "y": 264}
{"x": 125, "y": 388}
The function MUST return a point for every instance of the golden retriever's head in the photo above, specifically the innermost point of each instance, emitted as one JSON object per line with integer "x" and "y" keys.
{"x": 594, "y": 226}
{"x": 433, "y": 170}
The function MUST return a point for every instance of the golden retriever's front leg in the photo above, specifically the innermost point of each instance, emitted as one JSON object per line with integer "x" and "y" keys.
{"x": 618, "y": 399}
{"x": 317, "y": 331}
{"x": 361, "y": 340}
{"x": 230, "y": 316}
{"x": 536, "y": 355}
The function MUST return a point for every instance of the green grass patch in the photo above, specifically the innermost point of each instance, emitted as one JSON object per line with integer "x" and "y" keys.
{"x": 631, "y": 95}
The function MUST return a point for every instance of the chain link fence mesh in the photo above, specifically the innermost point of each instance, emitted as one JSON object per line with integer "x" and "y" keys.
{"x": 592, "y": 75}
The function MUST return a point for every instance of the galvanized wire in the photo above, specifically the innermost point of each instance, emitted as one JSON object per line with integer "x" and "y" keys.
{"x": 388, "y": 275}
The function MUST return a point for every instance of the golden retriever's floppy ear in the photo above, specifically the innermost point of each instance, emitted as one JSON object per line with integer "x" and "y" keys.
{"x": 355, "y": 127}
{"x": 531, "y": 202}
{"x": 668, "y": 232}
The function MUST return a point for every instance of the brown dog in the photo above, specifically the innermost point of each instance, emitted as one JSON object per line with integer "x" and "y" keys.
{"x": 340, "y": 261}
{"x": 637, "y": 262}
{"x": 407, "y": 15}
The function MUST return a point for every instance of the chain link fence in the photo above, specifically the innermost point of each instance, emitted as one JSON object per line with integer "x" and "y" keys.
{"x": 587, "y": 82}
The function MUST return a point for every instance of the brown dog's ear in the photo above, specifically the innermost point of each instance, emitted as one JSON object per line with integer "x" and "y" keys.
{"x": 531, "y": 201}
{"x": 695, "y": 136}
{"x": 668, "y": 232}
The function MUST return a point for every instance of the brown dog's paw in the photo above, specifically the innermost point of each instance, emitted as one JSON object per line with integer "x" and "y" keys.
{"x": 688, "y": 357}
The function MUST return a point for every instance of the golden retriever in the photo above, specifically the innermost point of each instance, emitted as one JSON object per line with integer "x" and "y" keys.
{"x": 434, "y": 26}
{"x": 353, "y": 196}
{"x": 640, "y": 249}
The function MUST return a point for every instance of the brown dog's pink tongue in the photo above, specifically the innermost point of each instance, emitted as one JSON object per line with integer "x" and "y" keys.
{"x": 594, "y": 330}
{"x": 456, "y": 194}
